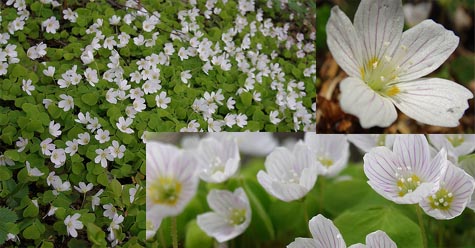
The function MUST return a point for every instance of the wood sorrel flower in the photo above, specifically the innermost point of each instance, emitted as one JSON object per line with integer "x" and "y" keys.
{"x": 451, "y": 195}
{"x": 290, "y": 174}
{"x": 385, "y": 66}
{"x": 407, "y": 174}
{"x": 326, "y": 235}
{"x": 330, "y": 151}
{"x": 231, "y": 216}
{"x": 218, "y": 160}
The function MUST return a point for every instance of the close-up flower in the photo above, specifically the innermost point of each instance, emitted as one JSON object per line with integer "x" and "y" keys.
{"x": 290, "y": 174}
{"x": 73, "y": 224}
{"x": 217, "y": 159}
{"x": 391, "y": 72}
{"x": 171, "y": 180}
{"x": 385, "y": 66}
{"x": 451, "y": 195}
{"x": 330, "y": 151}
{"x": 230, "y": 217}
{"x": 407, "y": 174}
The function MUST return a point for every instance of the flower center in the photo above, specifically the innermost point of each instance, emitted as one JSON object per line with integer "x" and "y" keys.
{"x": 455, "y": 140}
{"x": 165, "y": 190}
{"x": 380, "y": 74}
{"x": 325, "y": 161}
{"x": 237, "y": 216}
{"x": 407, "y": 182}
{"x": 441, "y": 199}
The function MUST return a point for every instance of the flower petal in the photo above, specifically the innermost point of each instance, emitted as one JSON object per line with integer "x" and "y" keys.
{"x": 343, "y": 42}
{"x": 359, "y": 99}
{"x": 413, "y": 151}
{"x": 433, "y": 101}
{"x": 214, "y": 225}
{"x": 325, "y": 233}
{"x": 380, "y": 167}
{"x": 380, "y": 23}
{"x": 423, "y": 49}
{"x": 379, "y": 239}
{"x": 303, "y": 243}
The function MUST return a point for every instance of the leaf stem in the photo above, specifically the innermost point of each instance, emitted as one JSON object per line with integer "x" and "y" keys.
{"x": 421, "y": 225}
{"x": 174, "y": 233}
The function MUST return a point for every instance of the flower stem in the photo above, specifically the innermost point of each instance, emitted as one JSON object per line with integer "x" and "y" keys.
{"x": 162, "y": 237}
{"x": 421, "y": 225}
{"x": 174, "y": 233}
{"x": 83, "y": 200}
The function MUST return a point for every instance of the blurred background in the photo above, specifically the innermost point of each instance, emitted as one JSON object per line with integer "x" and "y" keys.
{"x": 455, "y": 15}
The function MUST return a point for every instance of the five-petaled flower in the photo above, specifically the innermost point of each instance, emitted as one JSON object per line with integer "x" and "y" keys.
{"x": 386, "y": 66}
{"x": 72, "y": 223}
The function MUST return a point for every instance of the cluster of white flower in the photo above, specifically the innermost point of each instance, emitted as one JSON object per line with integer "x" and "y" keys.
{"x": 413, "y": 172}
{"x": 410, "y": 174}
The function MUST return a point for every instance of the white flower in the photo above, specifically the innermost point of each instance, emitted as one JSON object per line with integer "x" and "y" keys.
{"x": 59, "y": 186}
{"x": 51, "y": 211}
{"x": 289, "y": 175}
{"x": 49, "y": 72}
{"x": 366, "y": 142}
{"x": 3, "y": 68}
{"x": 171, "y": 182}
{"x": 51, "y": 25}
{"x": 67, "y": 103}
{"x": 377, "y": 239}
{"x": 103, "y": 156}
{"x": 72, "y": 147}
{"x": 84, "y": 138}
{"x": 451, "y": 195}
{"x": 230, "y": 103}
{"x": 33, "y": 172}
{"x": 117, "y": 150}
{"x": 273, "y": 117}
{"x": 124, "y": 124}
{"x": 27, "y": 86}
{"x": 21, "y": 144}
{"x": 102, "y": 136}
{"x": 110, "y": 211}
{"x": 83, "y": 188}
{"x": 37, "y": 51}
{"x": 72, "y": 223}
{"x": 133, "y": 192}
{"x": 218, "y": 160}
{"x": 456, "y": 145}
{"x": 95, "y": 199}
{"x": 70, "y": 15}
{"x": 58, "y": 157}
{"x": 407, "y": 174}
{"x": 331, "y": 152}
{"x": 47, "y": 147}
{"x": 251, "y": 143}
{"x": 116, "y": 220}
{"x": 241, "y": 120}
{"x": 54, "y": 129}
{"x": 185, "y": 75}
{"x": 162, "y": 100}
{"x": 385, "y": 66}
{"x": 5, "y": 161}
{"x": 324, "y": 233}
{"x": 230, "y": 217}
{"x": 91, "y": 76}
